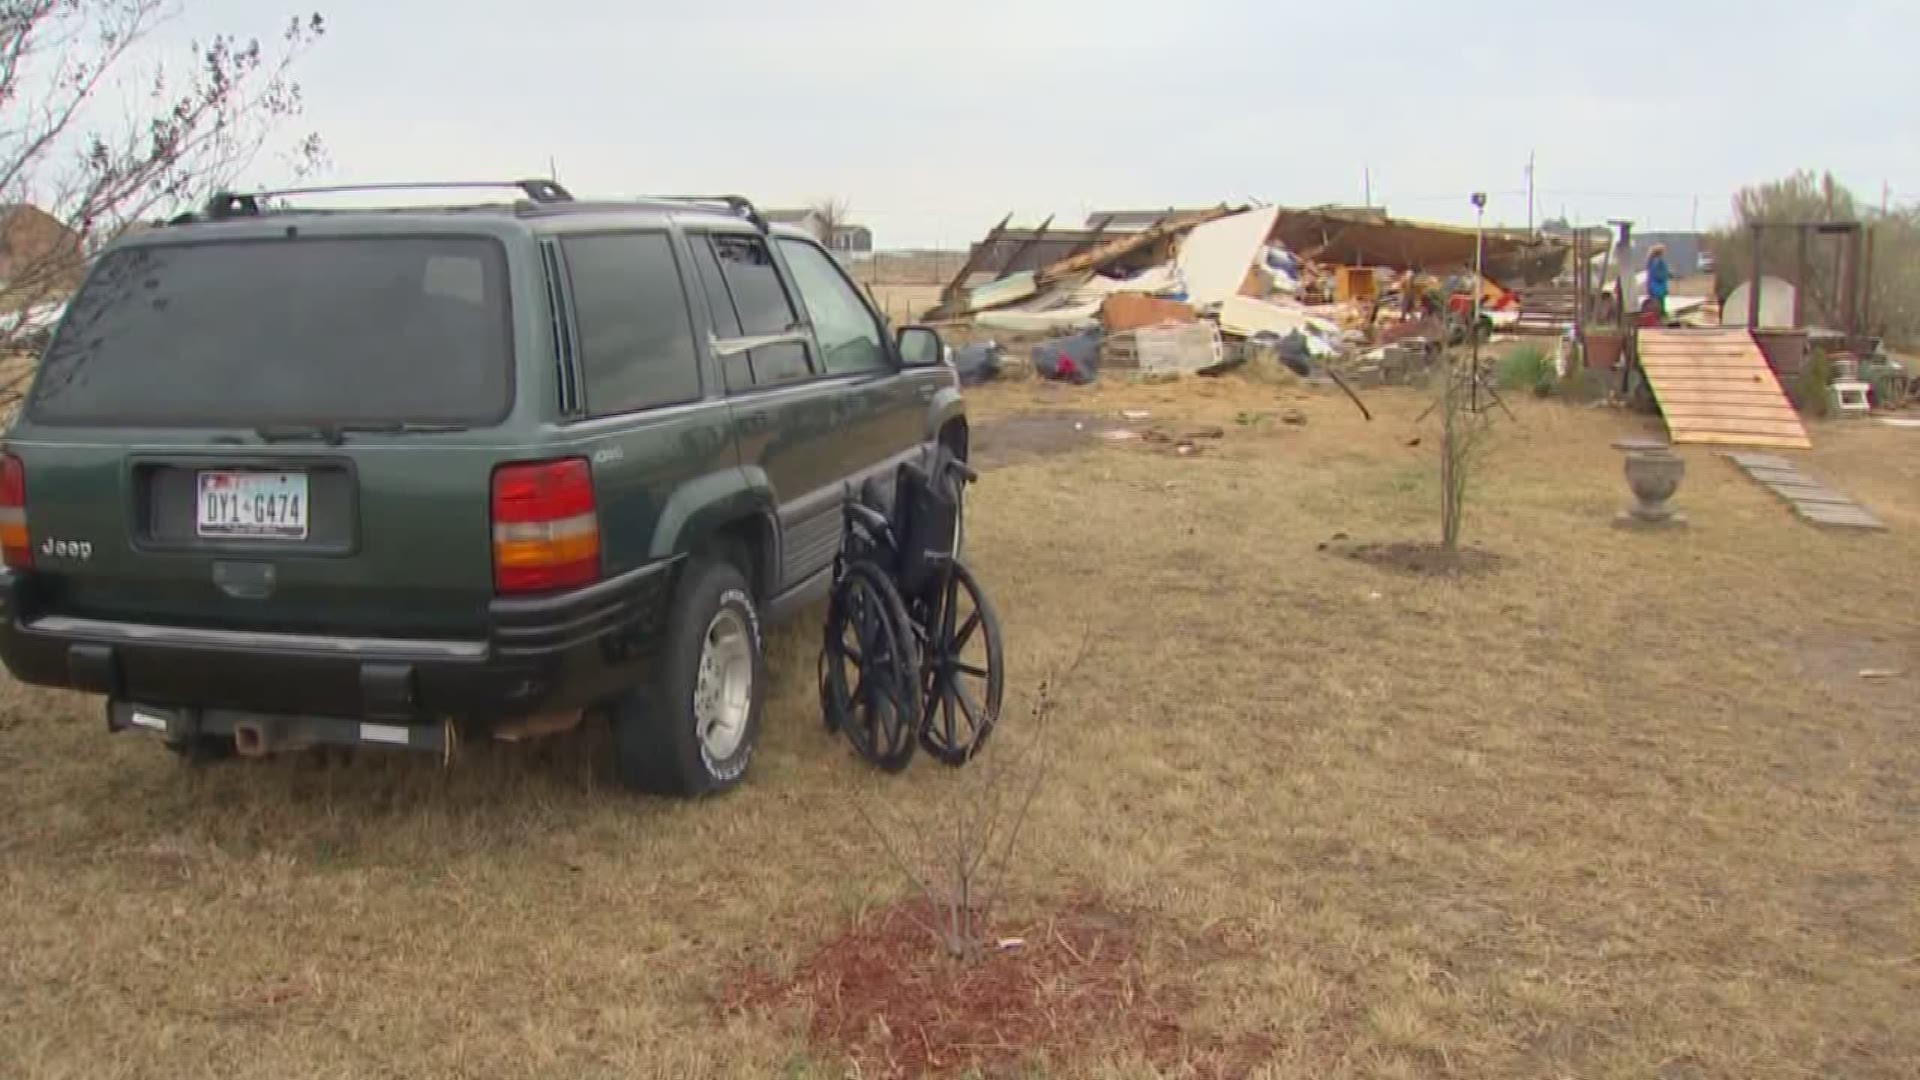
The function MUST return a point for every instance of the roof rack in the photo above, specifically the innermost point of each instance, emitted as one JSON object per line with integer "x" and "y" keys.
{"x": 229, "y": 204}
{"x": 737, "y": 205}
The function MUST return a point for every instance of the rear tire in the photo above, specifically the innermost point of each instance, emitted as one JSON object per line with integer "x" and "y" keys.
{"x": 690, "y": 729}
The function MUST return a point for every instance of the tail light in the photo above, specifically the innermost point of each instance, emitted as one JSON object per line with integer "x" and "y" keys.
{"x": 13, "y": 514}
{"x": 546, "y": 527}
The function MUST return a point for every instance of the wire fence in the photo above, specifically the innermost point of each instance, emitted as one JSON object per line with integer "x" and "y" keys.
{"x": 905, "y": 284}
{"x": 907, "y": 268}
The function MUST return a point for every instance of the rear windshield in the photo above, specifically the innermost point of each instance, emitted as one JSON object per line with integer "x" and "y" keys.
{"x": 285, "y": 331}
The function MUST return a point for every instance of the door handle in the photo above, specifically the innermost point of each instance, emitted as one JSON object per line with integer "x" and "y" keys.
{"x": 926, "y": 392}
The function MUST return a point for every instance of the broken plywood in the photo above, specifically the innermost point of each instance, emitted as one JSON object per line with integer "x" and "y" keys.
{"x": 1714, "y": 386}
{"x": 1114, "y": 250}
{"x": 1243, "y": 316}
{"x": 1214, "y": 257}
{"x": 1131, "y": 311}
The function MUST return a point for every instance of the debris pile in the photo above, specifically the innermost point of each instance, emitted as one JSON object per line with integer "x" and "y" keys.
{"x": 1200, "y": 291}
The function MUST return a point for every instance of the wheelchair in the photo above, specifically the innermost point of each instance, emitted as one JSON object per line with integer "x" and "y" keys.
{"x": 912, "y": 657}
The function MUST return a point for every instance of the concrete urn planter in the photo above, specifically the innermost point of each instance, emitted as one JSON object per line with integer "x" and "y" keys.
{"x": 1654, "y": 472}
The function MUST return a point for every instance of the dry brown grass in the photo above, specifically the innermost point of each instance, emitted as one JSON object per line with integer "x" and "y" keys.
{"x": 1622, "y": 808}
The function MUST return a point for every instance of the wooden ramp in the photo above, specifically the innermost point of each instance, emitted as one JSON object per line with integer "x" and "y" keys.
{"x": 1715, "y": 387}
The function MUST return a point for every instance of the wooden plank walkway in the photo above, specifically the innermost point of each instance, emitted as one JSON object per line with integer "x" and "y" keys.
{"x": 1810, "y": 499}
{"x": 1715, "y": 386}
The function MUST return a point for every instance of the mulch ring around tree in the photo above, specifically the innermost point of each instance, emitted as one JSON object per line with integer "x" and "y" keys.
{"x": 1420, "y": 557}
{"x": 885, "y": 997}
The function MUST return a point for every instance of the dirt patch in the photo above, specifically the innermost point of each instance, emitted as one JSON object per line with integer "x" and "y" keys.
{"x": 1422, "y": 557}
{"x": 885, "y": 998}
{"x": 1029, "y": 435}
{"x": 1848, "y": 660}
{"x": 1014, "y": 438}
{"x": 1874, "y": 671}
{"x": 1180, "y": 441}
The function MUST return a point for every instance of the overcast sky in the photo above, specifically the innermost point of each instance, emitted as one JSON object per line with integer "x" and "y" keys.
{"x": 935, "y": 119}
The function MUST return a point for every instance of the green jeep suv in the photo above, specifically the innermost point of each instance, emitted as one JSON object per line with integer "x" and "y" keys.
{"x": 409, "y": 476}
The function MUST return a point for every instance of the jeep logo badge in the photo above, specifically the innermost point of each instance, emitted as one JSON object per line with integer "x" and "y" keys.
{"x": 67, "y": 549}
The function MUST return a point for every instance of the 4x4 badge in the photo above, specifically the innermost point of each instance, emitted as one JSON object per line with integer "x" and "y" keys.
{"x": 67, "y": 549}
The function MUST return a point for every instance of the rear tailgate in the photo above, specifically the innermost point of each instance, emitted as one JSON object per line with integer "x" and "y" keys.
{"x": 388, "y": 540}
{"x": 287, "y": 433}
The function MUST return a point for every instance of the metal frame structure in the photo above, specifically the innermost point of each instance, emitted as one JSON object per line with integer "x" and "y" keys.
{"x": 1852, "y": 267}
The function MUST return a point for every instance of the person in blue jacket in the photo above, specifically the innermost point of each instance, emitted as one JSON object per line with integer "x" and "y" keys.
{"x": 1658, "y": 278}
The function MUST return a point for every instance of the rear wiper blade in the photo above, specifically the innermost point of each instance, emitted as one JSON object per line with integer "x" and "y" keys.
{"x": 398, "y": 427}
{"x": 326, "y": 433}
{"x": 334, "y": 434}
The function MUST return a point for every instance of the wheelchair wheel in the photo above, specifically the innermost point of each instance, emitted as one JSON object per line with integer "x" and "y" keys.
{"x": 870, "y": 674}
{"x": 962, "y": 674}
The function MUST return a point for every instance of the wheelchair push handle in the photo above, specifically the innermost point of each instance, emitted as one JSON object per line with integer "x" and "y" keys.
{"x": 946, "y": 461}
{"x": 867, "y": 515}
{"x": 867, "y": 519}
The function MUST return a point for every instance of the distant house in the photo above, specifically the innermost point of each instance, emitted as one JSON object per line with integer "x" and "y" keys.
{"x": 39, "y": 255}
{"x": 846, "y": 238}
{"x": 852, "y": 240}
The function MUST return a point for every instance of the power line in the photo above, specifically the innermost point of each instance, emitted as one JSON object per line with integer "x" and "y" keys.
{"x": 1570, "y": 192}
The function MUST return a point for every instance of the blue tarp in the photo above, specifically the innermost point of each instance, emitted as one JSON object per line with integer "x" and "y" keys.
{"x": 978, "y": 363}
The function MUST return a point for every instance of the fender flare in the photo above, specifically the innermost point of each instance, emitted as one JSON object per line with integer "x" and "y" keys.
{"x": 708, "y": 504}
{"x": 946, "y": 406}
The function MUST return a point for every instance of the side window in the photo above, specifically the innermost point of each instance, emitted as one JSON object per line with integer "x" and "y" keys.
{"x": 636, "y": 334}
{"x": 850, "y": 339}
{"x": 736, "y": 368}
{"x": 760, "y": 301}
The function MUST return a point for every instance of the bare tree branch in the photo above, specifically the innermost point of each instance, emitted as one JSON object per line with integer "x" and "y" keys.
{"x": 193, "y": 131}
{"x": 834, "y": 213}
{"x": 955, "y": 839}
{"x": 1041, "y": 714}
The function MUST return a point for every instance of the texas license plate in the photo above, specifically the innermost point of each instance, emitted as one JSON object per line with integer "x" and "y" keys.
{"x": 253, "y": 505}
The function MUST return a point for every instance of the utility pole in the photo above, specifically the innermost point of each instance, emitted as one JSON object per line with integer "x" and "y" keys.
{"x": 1885, "y": 191}
{"x": 1529, "y": 191}
{"x": 1693, "y": 225}
{"x": 1366, "y": 175}
{"x": 553, "y": 170}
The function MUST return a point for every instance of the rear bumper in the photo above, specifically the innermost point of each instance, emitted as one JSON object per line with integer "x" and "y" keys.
{"x": 273, "y": 732}
{"x": 539, "y": 655}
